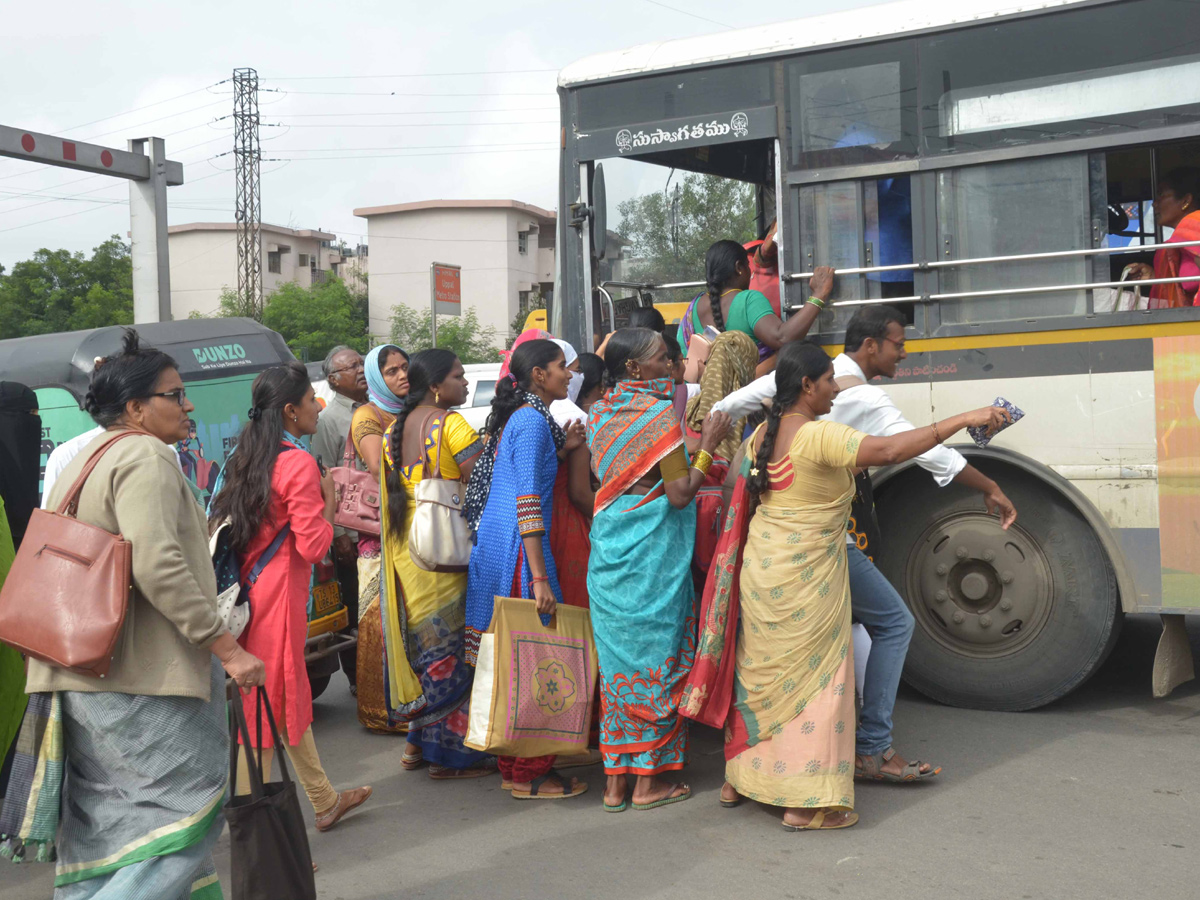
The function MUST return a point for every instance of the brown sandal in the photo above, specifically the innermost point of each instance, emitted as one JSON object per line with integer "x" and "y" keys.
{"x": 567, "y": 790}
{"x": 871, "y": 768}
{"x": 817, "y": 823}
{"x": 346, "y": 801}
{"x": 442, "y": 773}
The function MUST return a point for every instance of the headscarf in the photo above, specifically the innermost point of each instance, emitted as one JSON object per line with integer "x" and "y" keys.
{"x": 377, "y": 389}
{"x": 529, "y": 334}
{"x": 565, "y": 411}
{"x": 20, "y": 455}
{"x": 480, "y": 484}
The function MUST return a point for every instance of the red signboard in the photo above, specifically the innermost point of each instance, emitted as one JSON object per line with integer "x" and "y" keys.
{"x": 447, "y": 284}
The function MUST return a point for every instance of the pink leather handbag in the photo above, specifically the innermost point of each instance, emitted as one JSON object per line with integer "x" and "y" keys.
{"x": 357, "y": 494}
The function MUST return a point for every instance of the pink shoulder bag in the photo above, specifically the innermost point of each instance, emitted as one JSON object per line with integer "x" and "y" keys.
{"x": 357, "y": 493}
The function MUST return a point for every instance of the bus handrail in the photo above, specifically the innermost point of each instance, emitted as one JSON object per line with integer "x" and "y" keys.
{"x": 612, "y": 310}
{"x": 983, "y": 260}
{"x": 1005, "y": 292}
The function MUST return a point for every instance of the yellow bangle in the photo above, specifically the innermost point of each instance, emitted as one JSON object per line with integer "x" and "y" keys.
{"x": 703, "y": 462}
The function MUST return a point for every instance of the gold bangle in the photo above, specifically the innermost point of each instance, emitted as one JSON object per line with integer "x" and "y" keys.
{"x": 936, "y": 433}
{"x": 703, "y": 462}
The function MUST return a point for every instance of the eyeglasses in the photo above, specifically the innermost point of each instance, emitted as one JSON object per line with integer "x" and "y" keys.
{"x": 359, "y": 366}
{"x": 899, "y": 344}
{"x": 179, "y": 395}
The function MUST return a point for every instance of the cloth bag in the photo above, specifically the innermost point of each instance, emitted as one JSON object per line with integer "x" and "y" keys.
{"x": 81, "y": 577}
{"x": 357, "y": 494}
{"x": 535, "y": 684}
{"x": 269, "y": 850}
{"x": 440, "y": 538}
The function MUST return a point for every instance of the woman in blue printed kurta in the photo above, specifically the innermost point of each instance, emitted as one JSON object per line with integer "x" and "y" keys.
{"x": 508, "y": 506}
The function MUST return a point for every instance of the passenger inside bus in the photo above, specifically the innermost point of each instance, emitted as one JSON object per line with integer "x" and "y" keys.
{"x": 1175, "y": 207}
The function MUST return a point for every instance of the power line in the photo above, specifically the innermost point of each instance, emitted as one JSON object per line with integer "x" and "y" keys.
{"x": 536, "y": 144}
{"x": 147, "y": 106}
{"x": 418, "y": 124}
{"x": 414, "y": 155}
{"x": 692, "y": 14}
{"x": 416, "y": 112}
{"x": 412, "y": 75}
{"x": 411, "y": 94}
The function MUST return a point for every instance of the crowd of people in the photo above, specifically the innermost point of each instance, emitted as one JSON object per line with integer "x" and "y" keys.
{"x": 703, "y": 524}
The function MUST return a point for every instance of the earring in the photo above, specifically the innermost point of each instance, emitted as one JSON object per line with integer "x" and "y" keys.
{"x": 437, "y": 398}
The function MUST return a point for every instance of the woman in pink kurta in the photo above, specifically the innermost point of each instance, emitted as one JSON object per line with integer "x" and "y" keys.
{"x": 272, "y": 488}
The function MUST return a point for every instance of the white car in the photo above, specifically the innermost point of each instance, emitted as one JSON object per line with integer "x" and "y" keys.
{"x": 481, "y": 385}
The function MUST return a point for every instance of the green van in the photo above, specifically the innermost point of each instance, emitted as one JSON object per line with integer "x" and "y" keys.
{"x": 218, "y": 360}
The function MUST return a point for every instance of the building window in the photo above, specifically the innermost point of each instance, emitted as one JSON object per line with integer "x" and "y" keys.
{"x": 523, "y": 242}
{"x": 303, "y": 260}
{"x": 274, "y": 262}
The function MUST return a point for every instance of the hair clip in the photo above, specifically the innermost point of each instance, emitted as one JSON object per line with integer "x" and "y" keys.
{"x": 254, "y": 414}
{"x": 754, "y": 472}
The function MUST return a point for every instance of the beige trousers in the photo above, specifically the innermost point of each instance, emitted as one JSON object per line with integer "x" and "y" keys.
{"x": 305, "y": 762}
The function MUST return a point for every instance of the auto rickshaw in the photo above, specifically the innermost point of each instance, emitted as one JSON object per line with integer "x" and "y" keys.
{"x": 218, "y": 360}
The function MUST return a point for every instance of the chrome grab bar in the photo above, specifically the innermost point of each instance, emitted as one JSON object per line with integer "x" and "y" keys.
{"x": 984, "y": 260}
{"x": 1005, "y": 292}
{"x": 612, "y": 310}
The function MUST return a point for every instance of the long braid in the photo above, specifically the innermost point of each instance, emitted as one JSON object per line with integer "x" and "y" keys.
{"x": 720, "y": 268}
{"x": 784, "y": 398}
{"x": 714, "y": 304}
{"x": 397, "y": 496}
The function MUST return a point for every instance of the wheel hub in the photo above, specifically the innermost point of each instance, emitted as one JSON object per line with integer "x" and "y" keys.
{"x": 977, "y": 589}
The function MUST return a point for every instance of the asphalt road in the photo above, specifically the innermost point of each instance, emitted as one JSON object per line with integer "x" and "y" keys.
{"x": 1096, "y": 796}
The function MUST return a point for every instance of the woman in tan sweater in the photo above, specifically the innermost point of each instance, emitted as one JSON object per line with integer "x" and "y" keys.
{"x": 147, "y": 746}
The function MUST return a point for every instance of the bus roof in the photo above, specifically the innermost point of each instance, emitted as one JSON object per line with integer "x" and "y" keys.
{"x": 850, "y": 26}
{"x": 204, "y": 348}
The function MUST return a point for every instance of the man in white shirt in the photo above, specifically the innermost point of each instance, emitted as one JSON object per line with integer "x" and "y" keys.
{"x": 874, "y": 346}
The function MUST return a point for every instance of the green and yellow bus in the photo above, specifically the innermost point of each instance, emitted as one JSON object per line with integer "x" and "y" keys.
{"x": 991, "y": 171}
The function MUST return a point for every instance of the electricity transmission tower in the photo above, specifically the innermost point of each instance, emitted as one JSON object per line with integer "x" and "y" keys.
{"x": 247, "y": 155}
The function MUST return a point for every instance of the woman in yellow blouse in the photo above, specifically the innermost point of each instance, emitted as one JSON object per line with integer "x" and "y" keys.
{"x": 427, "y": 681}
{"x": 386, "y": 368}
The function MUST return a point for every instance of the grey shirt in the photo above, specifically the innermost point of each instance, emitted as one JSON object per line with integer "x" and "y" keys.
{"x": 329, "y": 443}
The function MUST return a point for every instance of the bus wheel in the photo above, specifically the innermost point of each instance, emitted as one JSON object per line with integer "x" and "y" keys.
{"x": 1005, "y": 620}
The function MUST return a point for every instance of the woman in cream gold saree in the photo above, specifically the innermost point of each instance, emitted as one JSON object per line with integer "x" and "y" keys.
{"x": 783, "y": 683}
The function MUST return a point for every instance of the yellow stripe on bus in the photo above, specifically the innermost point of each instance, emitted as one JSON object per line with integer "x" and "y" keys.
{"x": 1032, "y": 338}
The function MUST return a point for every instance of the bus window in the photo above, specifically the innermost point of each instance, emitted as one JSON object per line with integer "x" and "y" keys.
{"x": 1010, "y": 208}
{"x": 851, "y": 224}
{"x": 1039, "y": 78}
{"x": 853, "y": 106}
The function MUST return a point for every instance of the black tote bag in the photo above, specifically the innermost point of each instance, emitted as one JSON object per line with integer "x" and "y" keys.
{"x": 268, "y": 840}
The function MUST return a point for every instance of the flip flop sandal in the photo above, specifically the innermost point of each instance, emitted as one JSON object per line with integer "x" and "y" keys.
{"x": 505, "y": 785}
{"x": 441, "y": 773}
{"x": 818, "y": 823}
{"x": 620, "y": 807}
{"x": 730, "y": 804}
{"x": 670, "y": 798}
{"x": 412, "y": 761}
{"x": 872, "y": 770}
{"x": 535, "y": 785}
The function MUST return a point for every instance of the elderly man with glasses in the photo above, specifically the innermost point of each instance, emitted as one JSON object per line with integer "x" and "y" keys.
{"x": 343, "y": 368}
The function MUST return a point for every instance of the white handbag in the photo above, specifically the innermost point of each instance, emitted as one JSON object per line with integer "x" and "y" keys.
{"x": 440, "y": 539}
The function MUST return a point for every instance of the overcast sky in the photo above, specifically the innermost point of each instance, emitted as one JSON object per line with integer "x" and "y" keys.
{"x": 106, "y": 72}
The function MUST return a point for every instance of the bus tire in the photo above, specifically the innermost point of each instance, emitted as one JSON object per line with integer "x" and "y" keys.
{"x": 318, "y": 683}
{"x": 1004, "y": 620}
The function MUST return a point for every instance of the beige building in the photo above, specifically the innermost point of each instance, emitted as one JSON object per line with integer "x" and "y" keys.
{"x": 204, "y": 262}
{"x": 505, "y": 248}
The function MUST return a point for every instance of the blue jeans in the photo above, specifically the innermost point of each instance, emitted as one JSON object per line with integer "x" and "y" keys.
{"x": 881, "y": 610}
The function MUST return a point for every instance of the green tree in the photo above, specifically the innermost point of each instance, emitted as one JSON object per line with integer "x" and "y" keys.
{"x": 671, "y": 232}
{"x": 471, "y": 341}
{"x": 58, "y": 290}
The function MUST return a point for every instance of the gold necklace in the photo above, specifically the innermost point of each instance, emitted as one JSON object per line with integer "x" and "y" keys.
{"x": 790, "y": 415}
{"x": 731, "y": 291}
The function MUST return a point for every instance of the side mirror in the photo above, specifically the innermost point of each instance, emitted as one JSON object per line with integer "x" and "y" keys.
{"x": 599, "y": 210}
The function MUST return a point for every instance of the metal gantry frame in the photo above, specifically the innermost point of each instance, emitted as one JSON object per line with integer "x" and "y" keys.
{"x": 247, "y": 155}
{"x": 149, "y": 172}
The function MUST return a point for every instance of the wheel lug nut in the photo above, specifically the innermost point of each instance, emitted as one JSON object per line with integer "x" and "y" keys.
{"x": 1006, "y": 605}
{"x": 941, "y": 596}
{"x": 941, "y": 569}
{"x": 985, "y": 621}
{"x": 989, "y": 556}
{"x": 1006, "y": 577}
{"x": 961, "y": 552}
{"x": 959, "y": 618}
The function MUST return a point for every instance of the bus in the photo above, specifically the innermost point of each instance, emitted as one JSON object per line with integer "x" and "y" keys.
{"x": 990, "y": 171}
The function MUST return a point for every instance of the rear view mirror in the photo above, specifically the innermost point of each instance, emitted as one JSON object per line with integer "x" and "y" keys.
{"x": 599, "y": 214}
